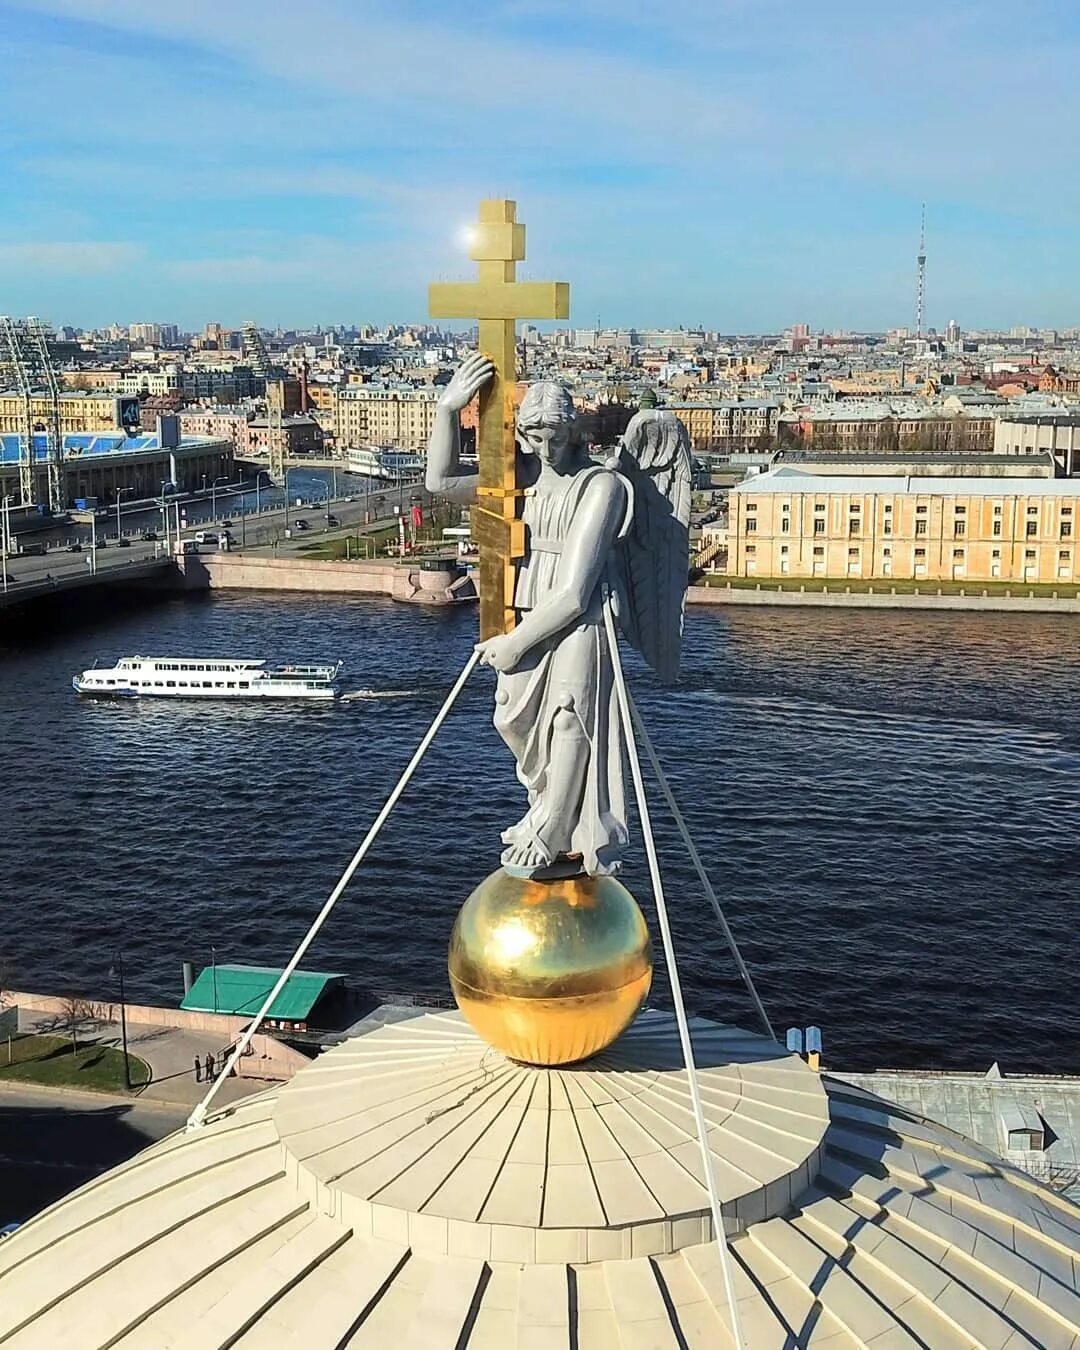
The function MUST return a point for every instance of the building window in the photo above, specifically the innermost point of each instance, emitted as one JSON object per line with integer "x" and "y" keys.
{"x": 958, "y": 553}
{"x": 785, "y": 506}
{"x": 783, "y": 548}
{"x": 888, "y": 508}
{"x": 819, "y": 527}
{"x": 995, "y": 553}
{"x": 886, "y": 527}
{"x": 1064, "y": 554}
{"x": 920, "y": 527}
{"x": 751, "y": 525}
{"x": 920, "y": 510}
{"x": 997, "y": 510}
{"x": 1032, "y": 529}
{"x": 959, "y": 528}
{"x": 854, "y": 507}
{"x": 751, "y": 548}
{"x": 819, "y": 506}
{"x": 1066, "y": 529}
{"x": 853, "y": 552}
{"x": 997, "y": 526}
{"x": 1033, "y": 510}
{"x": 886, "y": 552}
{"x": 1066, "y": 510}
{"x": 819, "y": 553}
{"x": 961, "y": 510}
{"x": 785, "y": 524}
{"x": 853, "y": 525}
{"x": 1030, "y": 553}
{"x": 920, "y": 553}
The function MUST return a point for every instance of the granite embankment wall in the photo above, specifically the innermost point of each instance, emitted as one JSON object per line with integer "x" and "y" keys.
{"x": 882, "y": 599}
{"x": 248, "y": 572}
{"x": 268, "y": 1058}
{"x": 224, "y": 571}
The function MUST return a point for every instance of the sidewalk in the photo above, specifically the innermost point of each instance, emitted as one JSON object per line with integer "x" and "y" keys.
{"x": 170, "y": 1052}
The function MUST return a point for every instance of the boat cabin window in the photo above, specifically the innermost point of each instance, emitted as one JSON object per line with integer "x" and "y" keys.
{"x": 245, "y": 684}
{"x": 170, "y": 684}
{"x": 208, "y": 684}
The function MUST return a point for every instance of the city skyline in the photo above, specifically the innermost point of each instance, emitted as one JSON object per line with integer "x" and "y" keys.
{"x": 725, "y": 165}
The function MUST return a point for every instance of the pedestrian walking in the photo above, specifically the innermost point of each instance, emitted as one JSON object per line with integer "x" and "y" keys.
{"x": 198, "y": 1069}
{"x": 209, "y": 1067}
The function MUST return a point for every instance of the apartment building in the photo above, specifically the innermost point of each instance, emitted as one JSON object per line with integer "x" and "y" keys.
{"x": 79, "y": 412}
{"x": 727, "y": 426}
{"x": 786, "y": 523}
{"x": 400, "y": 416}
{"x": 1054, "y": 433}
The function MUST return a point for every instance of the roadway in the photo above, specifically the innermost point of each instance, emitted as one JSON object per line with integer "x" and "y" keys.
{"x": 354, "y": 515}
{"x": 53, "y": 1141}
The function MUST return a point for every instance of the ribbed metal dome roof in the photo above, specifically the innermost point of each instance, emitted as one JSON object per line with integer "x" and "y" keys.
{"x": 412, "y": 1188}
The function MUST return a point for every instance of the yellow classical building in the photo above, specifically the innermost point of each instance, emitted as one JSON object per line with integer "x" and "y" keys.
{"x": 80, "y": 412}
{"x": 786, "y": 523}
{"x": 367, "y": 414}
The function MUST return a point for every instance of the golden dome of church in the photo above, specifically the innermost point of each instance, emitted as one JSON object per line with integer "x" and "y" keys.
{"x": 413, "y": 1188}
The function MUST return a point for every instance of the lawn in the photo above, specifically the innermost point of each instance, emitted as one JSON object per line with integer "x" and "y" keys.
{"x": 48, "y": 1060}
{"x": 1063, "y": 590}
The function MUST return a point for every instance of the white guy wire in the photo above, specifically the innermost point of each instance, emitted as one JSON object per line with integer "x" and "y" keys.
{"x": 699, "y": 866}
{"x": 673, "y": 975}
{"x": 198, "y": 1116}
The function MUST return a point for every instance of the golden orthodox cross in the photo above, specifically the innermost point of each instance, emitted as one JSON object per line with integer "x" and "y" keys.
{"x": 497, "y": 301}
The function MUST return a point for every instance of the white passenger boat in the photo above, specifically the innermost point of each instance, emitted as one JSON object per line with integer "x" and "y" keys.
{"x": 205, "y": 677}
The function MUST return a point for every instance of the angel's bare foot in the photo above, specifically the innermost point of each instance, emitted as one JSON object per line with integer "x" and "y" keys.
{"x": 526, "y": 856}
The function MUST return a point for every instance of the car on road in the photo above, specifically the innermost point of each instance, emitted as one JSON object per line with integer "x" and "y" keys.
{"x": 226, "y": 524}
{"x": 149, "y": 535}
{"x": 7, "y": 1229}
{"x": 301, "y": 525}
{"x": 74, "y": 547}
{"x": 332, "y": 522}
{"x": 123, "y": 543}
{"x": 102, "y": 543}
{"x": 205, "y": 537}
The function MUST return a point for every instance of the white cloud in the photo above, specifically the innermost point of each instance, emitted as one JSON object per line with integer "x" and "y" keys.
{"x": 76, "y": 258}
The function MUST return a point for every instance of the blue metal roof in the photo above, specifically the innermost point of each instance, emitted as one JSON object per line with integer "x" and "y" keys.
{"x": 82, "y": 445}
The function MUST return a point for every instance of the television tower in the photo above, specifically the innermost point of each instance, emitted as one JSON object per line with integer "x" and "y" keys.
{"x": 920, "y": 288}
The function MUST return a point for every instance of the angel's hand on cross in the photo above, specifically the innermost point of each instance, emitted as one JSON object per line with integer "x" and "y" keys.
{"x": 471, "y": 376}
{"x": 502, "y": 652}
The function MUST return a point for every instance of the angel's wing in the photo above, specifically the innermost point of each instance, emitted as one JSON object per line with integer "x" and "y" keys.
{"x": 654, "y": 555}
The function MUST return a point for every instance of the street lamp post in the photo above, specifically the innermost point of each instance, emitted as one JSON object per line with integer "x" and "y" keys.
{"x": 213, "y": 963}
{"x": 213, "y": 496}
{"x": 5, "y": 533}
{"x": 119, "y": 494}
{"x": 117, "y": 968}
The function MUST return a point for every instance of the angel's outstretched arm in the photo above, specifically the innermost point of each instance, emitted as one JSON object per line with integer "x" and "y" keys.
{"x": 444, "y": 474}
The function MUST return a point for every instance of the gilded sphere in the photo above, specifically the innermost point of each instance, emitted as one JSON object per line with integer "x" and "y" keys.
{"x": 550, "y": 972}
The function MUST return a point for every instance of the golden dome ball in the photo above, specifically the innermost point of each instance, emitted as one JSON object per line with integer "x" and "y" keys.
{"x": 550, "y": 972}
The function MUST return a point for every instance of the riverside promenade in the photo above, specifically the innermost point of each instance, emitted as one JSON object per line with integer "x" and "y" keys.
{"x": 398, "y": 578}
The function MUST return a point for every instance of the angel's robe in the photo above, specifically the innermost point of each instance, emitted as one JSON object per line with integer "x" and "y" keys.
{"x": 573, "y": 769}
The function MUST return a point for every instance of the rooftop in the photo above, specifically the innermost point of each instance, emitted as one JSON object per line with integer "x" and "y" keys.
{"x": 80, "y": 445}
{"x": 794, "y": 480}
{"x": 413, "y": 1188}
{"x": 242, "y": 990}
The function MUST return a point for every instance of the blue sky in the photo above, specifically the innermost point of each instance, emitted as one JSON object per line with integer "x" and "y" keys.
{"x": 741, "y": 164}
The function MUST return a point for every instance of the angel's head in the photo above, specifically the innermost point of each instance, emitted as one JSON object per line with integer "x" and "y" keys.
{"x": 547, "y": 423}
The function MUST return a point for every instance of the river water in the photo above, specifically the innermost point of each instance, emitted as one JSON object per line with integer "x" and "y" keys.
{"x": 887, "y": 803}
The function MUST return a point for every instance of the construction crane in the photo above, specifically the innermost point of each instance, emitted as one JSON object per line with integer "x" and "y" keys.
{"x": 14, "y": 356}
{"x": 255, "y": 353}
{"x": 41, "y": 337}
{"x": 25, "y": 351}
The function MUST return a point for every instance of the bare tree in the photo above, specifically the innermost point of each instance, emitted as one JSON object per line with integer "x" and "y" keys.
{"x": 74, "y": 1013}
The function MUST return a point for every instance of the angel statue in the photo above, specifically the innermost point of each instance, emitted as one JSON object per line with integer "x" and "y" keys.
{"x": 593, "y": 530}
